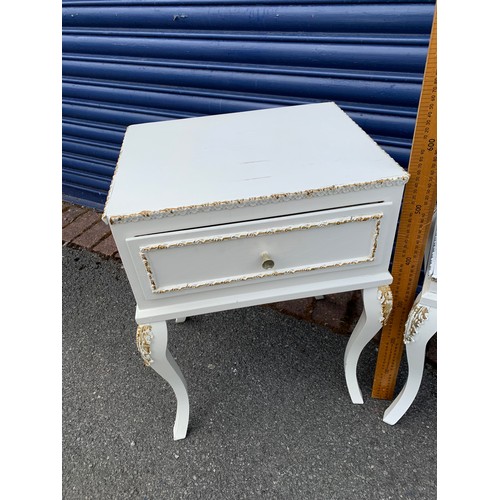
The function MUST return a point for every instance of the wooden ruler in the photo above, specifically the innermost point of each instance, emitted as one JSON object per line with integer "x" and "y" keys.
{"x": 419, "y": 201}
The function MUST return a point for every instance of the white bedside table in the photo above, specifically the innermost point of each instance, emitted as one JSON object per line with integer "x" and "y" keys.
{"x": 249, "y": 208}
{"x": 419, "y": 329}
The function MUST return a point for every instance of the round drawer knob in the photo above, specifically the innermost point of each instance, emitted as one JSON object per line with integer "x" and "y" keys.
{"x": 267, "y": 262}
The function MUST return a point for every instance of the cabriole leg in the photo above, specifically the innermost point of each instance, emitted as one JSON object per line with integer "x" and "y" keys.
{"x": 377, "y": 304}
{"x": 420, "y": 327}
{"x": 152, "y": 344}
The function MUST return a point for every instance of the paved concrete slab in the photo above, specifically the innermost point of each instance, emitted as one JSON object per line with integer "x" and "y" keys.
{"x": 271, "y": 417}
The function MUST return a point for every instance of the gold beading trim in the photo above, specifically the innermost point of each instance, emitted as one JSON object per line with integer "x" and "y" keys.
{"x": 384, "y": 296}
{"x": 259, "y": 200}
{"x": 143, "y": 341}
{"x": 217, "y": 239}
{"x": 417, "y": 316}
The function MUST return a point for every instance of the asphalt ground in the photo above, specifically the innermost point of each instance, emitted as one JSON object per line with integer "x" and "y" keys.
{"x": 270, "y": 414}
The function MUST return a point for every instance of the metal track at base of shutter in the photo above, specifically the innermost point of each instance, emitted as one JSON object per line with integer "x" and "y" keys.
{"x": 127, "y": 62}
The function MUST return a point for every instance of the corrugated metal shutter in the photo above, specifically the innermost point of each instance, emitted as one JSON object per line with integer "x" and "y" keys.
{"x": 133, "y": 61}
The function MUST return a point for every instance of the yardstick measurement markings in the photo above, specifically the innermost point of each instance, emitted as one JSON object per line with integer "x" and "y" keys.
{"x": 418, "y": 205}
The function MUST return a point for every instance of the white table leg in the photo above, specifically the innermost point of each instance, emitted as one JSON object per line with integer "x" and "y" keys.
{"x": 420, "y": 327}
{"x": 152, "y": 344}
{"x": 180, "y": 320}
{"x": 377, "y": 303}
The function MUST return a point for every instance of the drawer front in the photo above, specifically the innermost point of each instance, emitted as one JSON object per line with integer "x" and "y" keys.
{"x": 227, "y": 255}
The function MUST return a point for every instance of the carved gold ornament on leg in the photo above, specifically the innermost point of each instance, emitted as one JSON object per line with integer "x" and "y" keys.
{"x": 417, "y": 316}
{"x": 385, "y": 298}
{"x": 143, "y": 340}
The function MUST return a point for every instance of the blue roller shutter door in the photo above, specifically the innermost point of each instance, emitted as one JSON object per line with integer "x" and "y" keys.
{"x": 128, "y": 62}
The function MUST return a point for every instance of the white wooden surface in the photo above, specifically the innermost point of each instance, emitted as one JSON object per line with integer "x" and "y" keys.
{"x": 368, "y": 325}
{"x": 165, "y": 365}
{"x": 239, "y": 156}
{"x": 195, "y": 203}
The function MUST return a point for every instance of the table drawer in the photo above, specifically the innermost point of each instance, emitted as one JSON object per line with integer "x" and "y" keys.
{"x": 225, "y": 255}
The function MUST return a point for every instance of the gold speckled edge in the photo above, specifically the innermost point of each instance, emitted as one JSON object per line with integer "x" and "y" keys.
{"x": 416, "y": 318}
{"x": 258, "y": 200}
{"x": 385, "y": 298}
{"x": 104, "y": 217}
{"x": 143, "y": 341}
{"x": 216, "y": 239}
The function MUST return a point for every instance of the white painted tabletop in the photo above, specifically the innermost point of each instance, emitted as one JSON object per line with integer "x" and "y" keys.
{"x": 197, "y": 161}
